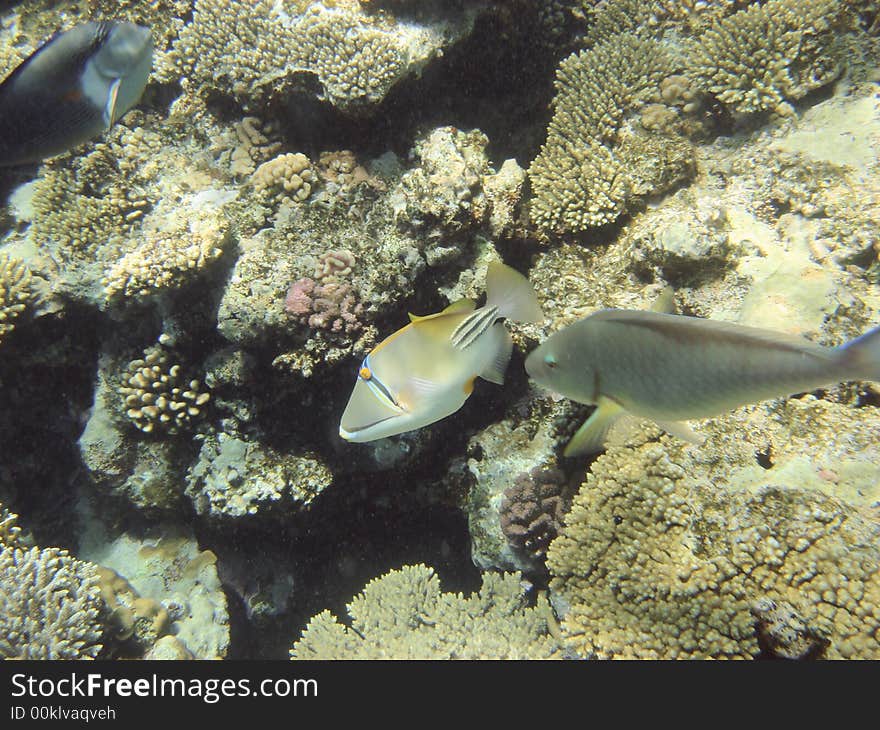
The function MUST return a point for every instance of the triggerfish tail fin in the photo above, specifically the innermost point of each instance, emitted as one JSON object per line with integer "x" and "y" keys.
{"x": 861, "y": 356}
{"x": 590, "y": 437}
{"x": 512, "y": 294}
{"x": 495, "y": 372}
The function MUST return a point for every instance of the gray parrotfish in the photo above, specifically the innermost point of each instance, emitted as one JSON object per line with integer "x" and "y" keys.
{"x": 670, "y": 368}
{"x": 72, "y": 88}
{"x": 426, "y": 370}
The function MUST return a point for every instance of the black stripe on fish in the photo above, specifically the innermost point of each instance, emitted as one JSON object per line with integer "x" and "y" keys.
{"x": 473, "y": 326}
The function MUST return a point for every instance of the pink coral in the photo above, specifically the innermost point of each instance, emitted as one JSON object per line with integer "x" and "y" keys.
{"x": 299, "y": 297}
{"x": 332, "y": 306}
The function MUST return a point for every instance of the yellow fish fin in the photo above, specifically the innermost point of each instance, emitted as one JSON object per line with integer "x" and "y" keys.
{"x": 462, "y": 305}
{"x": 494, "y": 373}
{"x": 665, "y": 302}
{"x": 682, "y": 431}
{"x": 590, "y": 437}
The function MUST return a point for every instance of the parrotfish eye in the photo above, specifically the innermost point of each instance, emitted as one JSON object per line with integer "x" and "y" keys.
{"x": 550, "y": 360}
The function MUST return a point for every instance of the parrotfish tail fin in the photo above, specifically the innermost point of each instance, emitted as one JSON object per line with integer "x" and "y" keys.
{"x": 682, "y": 431}
{"x": 590, "y": 437}
{"x": 495, "y": 372}
{"x": 512, "y": 294}
{"x": 861, "y": 356}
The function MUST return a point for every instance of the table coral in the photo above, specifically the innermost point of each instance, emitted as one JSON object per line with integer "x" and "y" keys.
{"x": 656, "y": 561}
{"x": 404, "y": 615}
{"x": 50, "y": 605}
{"x": 15, "y": 292}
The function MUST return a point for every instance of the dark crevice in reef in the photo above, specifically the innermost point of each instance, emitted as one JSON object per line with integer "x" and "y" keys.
{"x": 47, "y": 374}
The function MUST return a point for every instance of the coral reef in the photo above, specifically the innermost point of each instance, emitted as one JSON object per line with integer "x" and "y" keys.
{"x": 234, "y": 477}
{"x": 783, "y": 633}
{"x": 9, "y": 529}
{"x": 657, "y": 561}
{"x": 578, "y": 179}
{"x": 404, "y": 615}
{"x": 285, "y": 179}
{"x": 157, "y": 396}
{"x": 768, "y": 55}
{"x": 50, "y": 605}
{"x": 253, "y": 50}
{"x": 132, "y": 618}
{"x": 15, "y": 292}
{"x": 532, "y": 510}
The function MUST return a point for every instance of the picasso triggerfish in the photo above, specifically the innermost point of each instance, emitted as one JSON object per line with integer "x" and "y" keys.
{"x": 426, "y": 371}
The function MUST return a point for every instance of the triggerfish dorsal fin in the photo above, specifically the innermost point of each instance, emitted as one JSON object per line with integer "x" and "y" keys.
{"x": 462, "y": 305}
{"x": 512, "y": 294}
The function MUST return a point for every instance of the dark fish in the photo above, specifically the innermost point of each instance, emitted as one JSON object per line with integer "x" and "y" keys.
{"x": 71, "y": 89}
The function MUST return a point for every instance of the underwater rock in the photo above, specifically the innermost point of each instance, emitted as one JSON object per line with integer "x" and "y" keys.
{"x": 783, "y": 633}
{"x": 166, "y": 565}
{"x": 234, "y": 478}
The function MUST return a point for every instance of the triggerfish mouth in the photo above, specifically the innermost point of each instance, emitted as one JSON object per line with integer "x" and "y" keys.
{"x": 426, "y": 370}
{"x": 670, "y": 368}
{"x": 72, "y": 88}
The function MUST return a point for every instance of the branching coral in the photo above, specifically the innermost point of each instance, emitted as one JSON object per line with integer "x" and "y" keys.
{"x": 768, "y": 54}
{"x": 50, "y": 605}
{"x": 15, "y": 292}
{"x": 9, "y": 529}
{"x": 404, "y": 615}
{"x": 157, "y": 397}
{"x": 253, "y": 50}
{"x": 578, "y": 180}
{"x": 656, "y": 562}
{"x": 166, "y": 259}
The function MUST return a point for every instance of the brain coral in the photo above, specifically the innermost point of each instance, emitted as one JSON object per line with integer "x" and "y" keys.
{"x": 404, "y": 615}
{"x": 578, "y": 181}
{"x": 49, "y": 605}
{"x": 656, "y": 563}
{"x": 766, "y": 55}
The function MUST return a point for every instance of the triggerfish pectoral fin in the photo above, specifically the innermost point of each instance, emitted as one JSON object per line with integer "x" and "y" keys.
{"x": 512, "y": 294}
{"x": 682, "y": 431}
{"x": 494, "y": 373}
{"x": 590, "y": 438}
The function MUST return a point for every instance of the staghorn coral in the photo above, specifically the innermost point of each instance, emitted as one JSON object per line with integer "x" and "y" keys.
{"x": 655, "y": 561}
{"x": 404, "y": 615}
{"x": 15, "y": 292}
{"x": 50, "y": 605}
{"x": 9, "y": 529}
{"x": 285, "y": 179}
{"x": 156, "y": 396}
{"x": 166, "y": 259}
{"x": 578, "y": 179}
{"x": 765, "y": 56}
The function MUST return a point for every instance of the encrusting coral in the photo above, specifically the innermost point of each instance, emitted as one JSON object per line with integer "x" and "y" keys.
{"x": 50, "y": 605}
{"x": 656, "y": 562}
{"x": 404, "y": 615}
{"x": 156, "y": 395}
